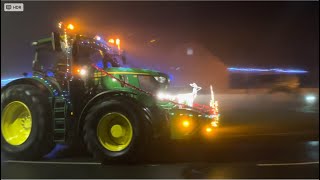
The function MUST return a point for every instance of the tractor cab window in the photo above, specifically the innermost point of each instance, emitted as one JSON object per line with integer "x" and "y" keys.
{"x": 86, "y": 55}
{"x": 88, "y": 52}
{"x": 46, "y": 59}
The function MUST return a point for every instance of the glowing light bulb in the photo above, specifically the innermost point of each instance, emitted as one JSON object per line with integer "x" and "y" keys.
{"x": 186, "y": 124}
{"x": 70, "y": 26}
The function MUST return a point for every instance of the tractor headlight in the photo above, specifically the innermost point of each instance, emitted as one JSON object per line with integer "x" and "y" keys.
{"x": 160, "y": 79}
{"x": 83, "y": 72}
{"x": 311, "y": 99}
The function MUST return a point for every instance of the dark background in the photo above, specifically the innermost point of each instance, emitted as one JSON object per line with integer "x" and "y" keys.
{"x": 259, "y": 34}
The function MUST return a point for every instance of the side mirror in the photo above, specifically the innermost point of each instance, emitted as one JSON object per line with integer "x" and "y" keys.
{"x": 56, "y": 45}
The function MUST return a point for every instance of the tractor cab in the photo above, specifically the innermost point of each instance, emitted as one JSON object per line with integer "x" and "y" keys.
{"x": 76, "y": 57}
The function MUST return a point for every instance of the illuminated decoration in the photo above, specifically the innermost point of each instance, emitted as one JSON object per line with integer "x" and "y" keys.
{"x": 186, "y": 99}
{"x": 47, "y": 84}
{"x": 208, "y": 129}
{"x": 70, "y": 26}
{"x": 212, "y": 97}
{"x": 214, "y": 124}
{"x": 67, "y": 44}
{"x": 60, "y": 25}
{"x": 213, "y": 103}
{"x": 275, "y": 70}
{"x": 189, "y": 97}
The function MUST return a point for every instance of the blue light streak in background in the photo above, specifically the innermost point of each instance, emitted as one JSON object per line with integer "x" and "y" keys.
{"x": 231, "y": 69}
{"x": 276, "y": 70}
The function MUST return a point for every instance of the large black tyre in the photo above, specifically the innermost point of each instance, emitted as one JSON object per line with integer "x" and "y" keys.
{"x": 141, "y": 130}
{"x": 40, "y": 139}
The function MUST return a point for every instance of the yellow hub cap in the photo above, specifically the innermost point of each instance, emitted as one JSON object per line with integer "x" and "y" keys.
{"x": 114, "y": 131}
{"x": 16, "y": 123}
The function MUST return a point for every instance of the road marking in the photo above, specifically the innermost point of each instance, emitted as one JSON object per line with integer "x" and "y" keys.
{"x": 290, "y": 164}
{"x": 53, "y": 162}
{"x": 271, "y": 134}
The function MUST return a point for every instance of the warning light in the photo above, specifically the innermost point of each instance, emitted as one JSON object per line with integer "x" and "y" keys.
{"x": 111, "y": 41}
{"x": 208, "y": 129}
{"x": 70, "y": 26}
{"x": 117, "y": 41}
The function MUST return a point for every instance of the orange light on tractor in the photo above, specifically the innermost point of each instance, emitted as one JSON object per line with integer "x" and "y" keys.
{"x": 208, "y": 132}
{"x": 82, "y": 71}
{"x": 118, "y": 42}
{"x": 111, "y": 41}
{"x": 185, "y": 123}
{"x": 70, "y": 26}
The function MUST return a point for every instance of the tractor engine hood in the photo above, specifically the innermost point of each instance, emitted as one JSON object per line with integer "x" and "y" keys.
{"x": 136, "y": 71}
{"x": 148, "y": 80}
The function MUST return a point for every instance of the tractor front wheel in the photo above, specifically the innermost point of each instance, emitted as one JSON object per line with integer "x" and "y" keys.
{"x": 115, "y": 131}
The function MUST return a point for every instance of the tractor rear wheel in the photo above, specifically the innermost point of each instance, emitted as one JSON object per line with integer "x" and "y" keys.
{"x": 116, "y": 131}
{"x": 26, "y": 126}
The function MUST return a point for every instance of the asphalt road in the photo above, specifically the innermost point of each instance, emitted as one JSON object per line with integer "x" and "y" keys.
{"x": 274, "y": 141}
{"x": 269, "y": 159}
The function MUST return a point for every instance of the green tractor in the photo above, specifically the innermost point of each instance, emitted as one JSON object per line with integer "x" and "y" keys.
{"x": 79, "y": 93}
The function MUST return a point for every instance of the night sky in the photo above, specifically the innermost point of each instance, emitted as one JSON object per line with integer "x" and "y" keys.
{"x": 259, "y": 34}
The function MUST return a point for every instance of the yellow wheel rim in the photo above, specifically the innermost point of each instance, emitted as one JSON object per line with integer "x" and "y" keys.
{"x": 16, "y": 123}
{"x": 114, "y": 131}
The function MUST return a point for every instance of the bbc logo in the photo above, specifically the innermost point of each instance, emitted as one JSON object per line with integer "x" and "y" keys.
{"x": 13, "y": 7}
